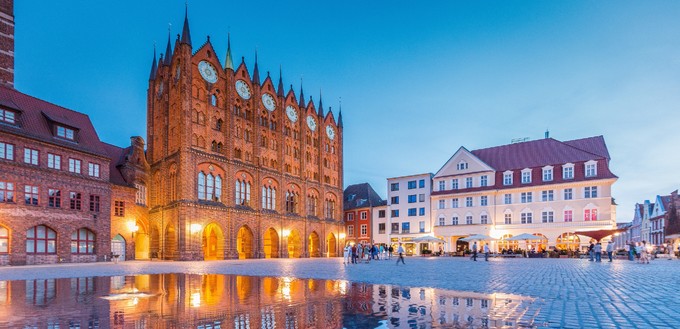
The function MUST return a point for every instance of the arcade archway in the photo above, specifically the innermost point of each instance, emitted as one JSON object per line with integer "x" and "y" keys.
{"x": 314, "y": 248}
{"x": 271, "y": 244}
{"x": 244, "y": 242}
{"x": 331, "y": 245}
{"x": 294, "y": 244}
{"x": 170, "y": 247}
{"x": 213, "y": 242}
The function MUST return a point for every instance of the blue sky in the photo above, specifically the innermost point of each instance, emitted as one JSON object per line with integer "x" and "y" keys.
{"x": 417, "y": 79}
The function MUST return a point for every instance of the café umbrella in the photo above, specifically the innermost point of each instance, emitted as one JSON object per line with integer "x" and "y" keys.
{"x": 478, "y": 237}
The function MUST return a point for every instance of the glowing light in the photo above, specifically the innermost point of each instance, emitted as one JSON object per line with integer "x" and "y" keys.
{"x": 342, "y": 235}
{"x": 285, "y": 232}
{"x": 196, "y": 299}
{"x": 132, "y": 226}
{"x": 195, "y": 228}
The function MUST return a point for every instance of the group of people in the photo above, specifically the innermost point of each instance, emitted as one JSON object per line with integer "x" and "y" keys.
{"x": 595, "y": 251}
{"x": 642, "y": 251}
{"x": 355, "y": 253}
{"x": 474, "y": 252}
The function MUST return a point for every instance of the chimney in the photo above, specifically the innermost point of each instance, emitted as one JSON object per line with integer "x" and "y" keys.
{"x": 547, "y": 134}
{"x": 7, "y": 43}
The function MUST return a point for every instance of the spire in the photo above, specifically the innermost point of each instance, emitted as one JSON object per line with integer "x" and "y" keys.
{"x": 279, "y": 90}
{"x": 168, "y": 50}
{"x": 320, "y": 106}
{"x": 229, "y": 63}
{"x": 256, "y": 72}
{"x": 152, "y": 75}
{"x": 302, "y": 96}
{"x": 340, "y": 116}
{"x": 186, "y": 36}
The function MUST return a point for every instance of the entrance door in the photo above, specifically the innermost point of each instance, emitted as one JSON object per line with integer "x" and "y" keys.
{"x": 118, "y": 247}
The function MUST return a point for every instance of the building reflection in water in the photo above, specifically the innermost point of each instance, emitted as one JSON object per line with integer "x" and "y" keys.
{"x": 227, "y": 301}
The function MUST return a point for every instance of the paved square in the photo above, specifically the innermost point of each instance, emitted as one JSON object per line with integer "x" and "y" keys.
{"x": 571, "y": 293}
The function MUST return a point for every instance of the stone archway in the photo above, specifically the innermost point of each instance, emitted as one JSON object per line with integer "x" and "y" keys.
{"x": 314, "y": 247}
{"x": 294, "y": 244}
{"x": 170, "y": 247}
{"x": 331, "y": 245}
{"x": 244, "y": 242}
{"x": 118, "y": 247}
{"x": 213, "y": 242}
{"x": 155, "y": 242}
{"x": 142, "y": 245}
{"x": 271, "y": 243}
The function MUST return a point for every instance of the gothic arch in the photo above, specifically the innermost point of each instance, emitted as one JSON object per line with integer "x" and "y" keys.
{"x": 213, "y": 242}
{"x": 314, "y": 245}
{"x": 271, "y": 243}
{"x": 245, "y": 241}
{"x": 294, "y": 244}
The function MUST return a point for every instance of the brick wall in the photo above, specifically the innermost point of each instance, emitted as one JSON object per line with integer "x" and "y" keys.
{"x": 7, "y": 42}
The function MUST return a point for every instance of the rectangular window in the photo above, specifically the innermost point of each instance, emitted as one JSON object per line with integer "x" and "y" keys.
{"x": 483, "y": 180}
{"x": 364, "y": 229}
{"x": 442, "y": 221}
{"x": 421, "y": 183}
{"x": 547, "y": 195}
{"x": 64, "y": 132}
{"x": 395, "y": 200}
{"x": 53, "y": 161}
{"x": 94, "y": 203}
{"x": 507, "y": 179}
{"x": 526, "y": 197}
{"x": 381, "y": 228}
{"x": 590, "y": 214}
{"x": 93, "y": 169}
{"x": 363, "y": 215}
{"x": 6, "y": 192}
{"x": 394, "y": 187}
{"x": 74, "y": 165}
{"x": 411, "y": 184}
{"x": 395, "y": 228}
{"x": 568, "y": 172}
{"x": 468, "y": 182}
{"x": 442, "y": 185}
{"x": 547, "y": 217}
{"x": 547, "y": 175}
{"x": 140, "y": 195}
{"x": 568, "y": 216}
{"x": 468, "y": 201}
{"x": 454, "y": 220}
{"x": 412, "y": 211}
{"x": 442, "y": 204}
{"x": 405, "y": 227}
{"x": 508, "y": 218}
{"x": 54, "y": 198}
{"x": 590, "y": 192}
{"x": 483, "y": 200}
{"x": 454, "y": 203}
{"x": 395, "y": 213}
{"x": 591, "y": 170}
{"x": 568, "y": 194}
{"x": 31, "y": 195}
{"x": 119, "y": 208}
{"x": 6, "y": 151}
{"x": 526, "y": 177}
{"x": 76, "y": 201}
{"x": 468, "y": 220}
{"x": 381, "y": 213}
{"x": 421, "y": 197}
{"x": 454, "y": 184}
{"x": 526, "y": 218}
{"x": 350, "y": 216}
{"x": 421, "y": 212}
{"x": 507, "y": 199}
{"x": 31, "y": 156}
{"x": 421, "y": 226}
{"x": 484, "y": 219}
{"x": 7, "y": 116}
{"x": 350, "y": 230}
{"x": 413, "y": 198}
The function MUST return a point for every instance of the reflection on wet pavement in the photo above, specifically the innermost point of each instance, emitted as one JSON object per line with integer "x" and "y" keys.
{"x": 231, "y": 301}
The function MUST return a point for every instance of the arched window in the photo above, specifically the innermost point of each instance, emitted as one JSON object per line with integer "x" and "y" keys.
{"x": 218, "y": 188}
{"x": 218, "y": 124}
{"x": 209, "y": 187}
{"x": 330, "y": 208}
{"x": 269, "y": 197}
{"x": 213, "y": 146}
{"x": 4, "y": 240}
{"x": 201, "y": 186}
{"x": 291, "y": 202}
{"x": 82, "y": 242}
{"x": 311, "y": 205}
{"x": 219, "y": 147}
{"x": 242, "y": 192}
{"x": 213, "y": 100}
{"x": 41, "y": 240}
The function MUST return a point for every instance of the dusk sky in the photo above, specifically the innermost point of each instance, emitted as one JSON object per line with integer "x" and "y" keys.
{"x": 417, "y": 80}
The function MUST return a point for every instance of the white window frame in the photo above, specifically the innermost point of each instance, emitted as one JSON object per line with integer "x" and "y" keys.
{"x": 507, "y": 178}
{"x": 53, "y": 161}
{"x": 568, "y": 171}
{"x": 590, "y": 168}
{"x": 483, "y": 180}
{"x": 454, "y": 184}
{"x": 507, "y": 198}
{"x": 468, "y": 182}
{"x": 547, "y": 173}
{"x": 526, "y": 176}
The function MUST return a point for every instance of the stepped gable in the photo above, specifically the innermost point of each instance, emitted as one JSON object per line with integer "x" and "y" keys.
{"x": 37, "y": 116}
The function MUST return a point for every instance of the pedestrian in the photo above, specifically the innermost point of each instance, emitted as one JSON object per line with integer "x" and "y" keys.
{"x": 631, "y": 251}
{"x": 610, "y": 250}
{"x": 354, "y": 254}
{"x": 346, "y": 254}
{"x": 474, "y": 252}
{"x": 390, "y": 250}
{"x": 591, "y": 252}
{"x": 382, "y": 252}
{"x": 598, "y": 252}
{"x": 486, "y": 252}
{"x": 400, "y": 251}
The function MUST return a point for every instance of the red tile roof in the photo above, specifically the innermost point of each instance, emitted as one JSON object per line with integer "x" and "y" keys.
{"x": 35, "y": 115}
{"x": 117, "y": 156}
{"x": 594, "y": 145}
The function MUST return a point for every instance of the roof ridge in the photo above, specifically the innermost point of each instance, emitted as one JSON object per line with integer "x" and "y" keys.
{"x": 580, "y": 149}
{"x": 44, "y": 101}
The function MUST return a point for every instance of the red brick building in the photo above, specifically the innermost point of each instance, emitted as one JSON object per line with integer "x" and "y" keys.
{"x": 239, "y": 167}
{"x": 359, "y": 201}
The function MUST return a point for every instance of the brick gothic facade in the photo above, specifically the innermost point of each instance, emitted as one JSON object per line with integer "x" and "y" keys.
{"x": 7, "y": 42}
{"x": 239, "y": 168}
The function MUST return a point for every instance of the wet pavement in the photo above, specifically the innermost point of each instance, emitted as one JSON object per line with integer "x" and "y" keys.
{"x": 566, "y": 293}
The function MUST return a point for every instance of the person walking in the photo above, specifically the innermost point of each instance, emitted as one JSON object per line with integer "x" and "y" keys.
{"x": 474, "y": 251}
{"x": 390, "y": 250}
{"x": 610, "y": 250}
{"x": 631, "y": 251}
{"x": 591, "y": 252}
{"x": 354, "y": 254}
{"x": 486, "y": 252}
{"x": 346, "y": 254}
{"x": 598, "y": 252}
{"x": 400, "y": 251}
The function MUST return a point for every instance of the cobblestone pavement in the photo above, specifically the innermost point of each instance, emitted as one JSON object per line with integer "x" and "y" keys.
{"x": 572, "y": 293}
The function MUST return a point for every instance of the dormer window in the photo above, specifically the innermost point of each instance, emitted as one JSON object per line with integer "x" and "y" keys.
{"x": 462, "y": 165}
{"x": 568, "y": 171}
{"x": 8, "y": 116}
{"x": 547, "y": 173}
{"x": 591, "y": 168}
{"x": 66, "y": 133}
{"x": 507, "y": 178}
{"x": 526, "y": 176}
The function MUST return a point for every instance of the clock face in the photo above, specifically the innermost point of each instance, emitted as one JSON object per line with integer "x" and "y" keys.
{"x": 311, "y": 123}
{"x": 330, "y": 132}
{"x": 207, "y": 71}
{"x": 268, "y": 102}
{"x": 291, "y": 113}
{"x": 242, "y": 89}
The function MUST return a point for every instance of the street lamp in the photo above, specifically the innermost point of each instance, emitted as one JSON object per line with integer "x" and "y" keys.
{"x": 132, "y": 226}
